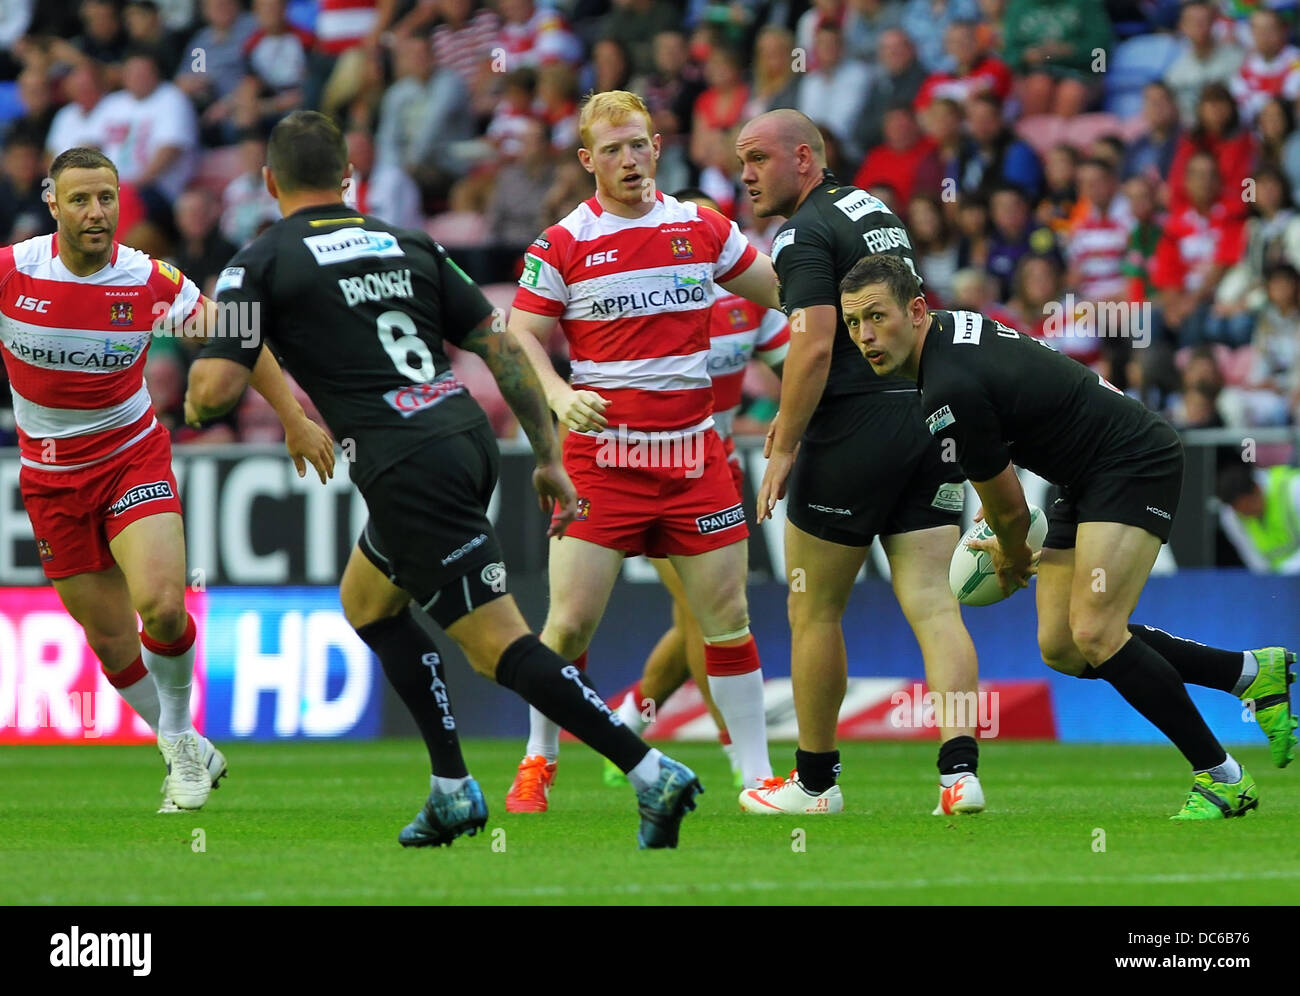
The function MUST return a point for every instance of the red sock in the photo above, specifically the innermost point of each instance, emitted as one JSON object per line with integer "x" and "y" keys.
{"x": 172, "y": 649}
{"x": 740, "y": 659}
{"x": 724, "y": 738}
{"x": 128, "y": 676}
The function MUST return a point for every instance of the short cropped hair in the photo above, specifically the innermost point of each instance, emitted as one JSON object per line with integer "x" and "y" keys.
{"x": 612, "y": 107}
{"x": 882, "y": 268}
{"x": 80, "y": 158}
{"x": 306, "y": 151}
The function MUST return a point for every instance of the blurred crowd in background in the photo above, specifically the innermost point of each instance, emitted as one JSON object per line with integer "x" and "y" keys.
{"x": 1118, "y": 177}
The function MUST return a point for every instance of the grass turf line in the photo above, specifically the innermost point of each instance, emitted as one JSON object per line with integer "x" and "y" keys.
{"x": 316, "y": 823}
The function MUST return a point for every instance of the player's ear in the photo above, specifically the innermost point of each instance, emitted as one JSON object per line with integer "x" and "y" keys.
{"x": 584, "y": 157}
{"x": 269, "y": 180}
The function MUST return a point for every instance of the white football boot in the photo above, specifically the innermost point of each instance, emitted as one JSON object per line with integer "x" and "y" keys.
{"x": 188, "y": 779}
{"x": 787, "y": 795}
{"x": 213, "y": 760}
{"x": 963, "y": 796}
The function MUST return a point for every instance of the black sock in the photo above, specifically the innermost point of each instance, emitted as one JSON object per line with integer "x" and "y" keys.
{"x": 817, "y": 772}
{"x": 545, "y": 680}
{"x": 1195, "y": 663}
{"x": 959, "y": 756}
{"x": 414, "y": 668}
{"x": 1150, "y": 685}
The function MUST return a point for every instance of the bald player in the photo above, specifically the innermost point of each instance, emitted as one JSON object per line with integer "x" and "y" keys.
{"x": 851, "y": 450}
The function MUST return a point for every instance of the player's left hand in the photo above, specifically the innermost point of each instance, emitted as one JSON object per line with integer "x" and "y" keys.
{"x": 307, "y": 443}
{"x": 556, "y": 496}
{"x": 1013, "y": 572}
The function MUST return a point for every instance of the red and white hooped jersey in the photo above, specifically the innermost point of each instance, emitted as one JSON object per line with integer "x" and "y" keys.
{"x": 740, "y": 330}
{"x": 74, "y": 348}
{"x": 633, "y": 297}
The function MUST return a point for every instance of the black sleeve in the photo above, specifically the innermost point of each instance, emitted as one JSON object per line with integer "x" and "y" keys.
{"x": 805, "y": 267}
{"x": 463, "y": 304}
{"x": 246, "y": 310}
{"x": 958, "y": 408}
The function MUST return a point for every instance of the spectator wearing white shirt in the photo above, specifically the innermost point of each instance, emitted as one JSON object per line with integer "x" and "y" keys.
{"x": 74, "y": 123}
{"x": 1204, "y": 59}
{"x": 214, "y": 65}
{"x": 834, "y": 92}
{"x": 246, "y": 206}
{"x": 384, "y": 191}
{"x": 422, "y": 114}
{"x": 149, "y": 130}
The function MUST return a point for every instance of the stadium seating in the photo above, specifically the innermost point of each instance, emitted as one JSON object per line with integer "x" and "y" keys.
{"x": 1134, "y": 63}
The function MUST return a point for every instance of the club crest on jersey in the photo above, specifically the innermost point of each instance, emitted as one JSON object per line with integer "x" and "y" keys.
{"x": 121, "y": 313}
{"x": 584, "y": 509}
{"x": 682, "y": 248}
{"x": 43, "y": 548}
{"x": 737, "y": 318}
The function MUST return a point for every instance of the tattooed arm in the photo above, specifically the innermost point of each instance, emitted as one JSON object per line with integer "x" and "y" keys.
{"x": 513, "y": 369}
{"x": 520, "y": 386}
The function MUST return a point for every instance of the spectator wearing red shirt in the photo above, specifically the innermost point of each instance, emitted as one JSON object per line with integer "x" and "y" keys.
{"x": 1218, "y": 131}
{"x": 1200, "y": 241}
{"x": 720, "y": 108}
{"x": 533, "y": 37}
{"x": 1097, "y": 239}
{"x": 976, "y": 70}
{"x": 907, "y": 161}
{"x": 1272, "y": 69}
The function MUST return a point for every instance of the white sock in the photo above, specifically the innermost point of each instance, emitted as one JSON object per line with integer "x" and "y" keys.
{"x": 646, "y": 773}
{"x": 1229, "y": 772}
{"x": 1249, "y": 672}
{"x": 446, "y": 785}
{"x": 543, "y": 736}
{"x": 629, "y": 711}
{"x": 173, "y": 676}
{"x": 739, "y": 698}
{"x": 143, "y": 698}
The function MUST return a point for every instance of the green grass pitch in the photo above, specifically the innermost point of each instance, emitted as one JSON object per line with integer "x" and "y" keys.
{"x": 317, "y": 823}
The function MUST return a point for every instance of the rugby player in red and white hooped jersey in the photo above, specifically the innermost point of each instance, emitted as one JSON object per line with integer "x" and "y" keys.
{"x": 739, "y": 331}
{"x": 78, "y": 312}
{"x": 629, "y": 276}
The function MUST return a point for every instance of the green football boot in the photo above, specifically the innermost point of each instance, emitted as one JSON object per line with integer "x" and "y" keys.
{"x": 1269, "y": 697}
{"x": 611, "y": 775}
{"x": 1211, "y": 800}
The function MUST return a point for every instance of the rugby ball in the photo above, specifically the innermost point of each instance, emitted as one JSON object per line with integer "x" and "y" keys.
{"x": 970, "y": 575}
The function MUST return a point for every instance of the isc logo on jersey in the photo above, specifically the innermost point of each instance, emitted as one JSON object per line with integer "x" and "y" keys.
{"x": 32, "y": 304}
{"x": 596, "y": 258}
{"x": 351, "y": 243}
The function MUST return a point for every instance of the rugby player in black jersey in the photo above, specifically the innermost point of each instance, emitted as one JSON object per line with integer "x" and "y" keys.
{"x": 1001, "y": 399}
{"x": 853, "y": 449}
{"x": 359, "y": 310}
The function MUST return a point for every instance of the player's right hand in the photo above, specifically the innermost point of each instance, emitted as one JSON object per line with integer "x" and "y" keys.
{"x": 581, "y": 410}
{"x": 770, "y": 438}
{"x": 556, "y": 496}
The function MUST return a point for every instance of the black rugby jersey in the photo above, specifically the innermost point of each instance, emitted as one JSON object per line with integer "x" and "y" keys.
{"x": 357, "y": 311}
{"x": 1003, "y": 397}
{"x": 835, "y": 226}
